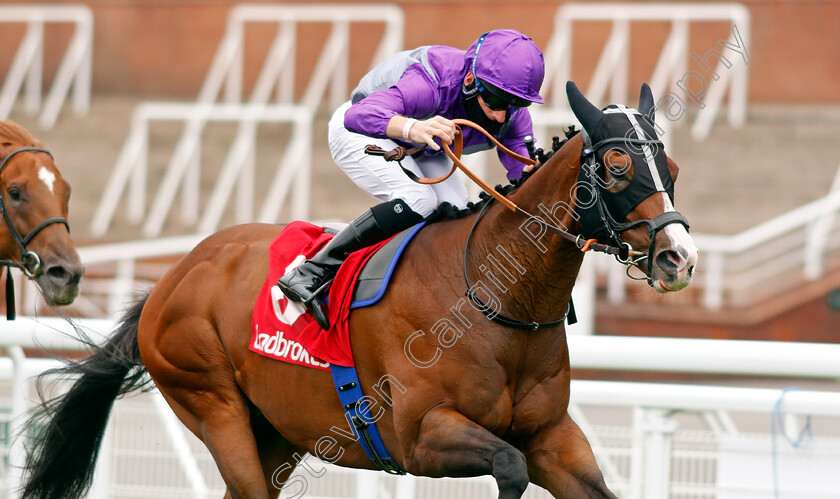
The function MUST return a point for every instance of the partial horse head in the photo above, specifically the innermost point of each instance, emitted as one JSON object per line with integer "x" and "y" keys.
{"x": 34, "y": 234}
{"x": 630, "y": 195}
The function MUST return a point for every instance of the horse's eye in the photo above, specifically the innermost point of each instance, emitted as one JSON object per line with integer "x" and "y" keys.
{"x": 618, "y": 173}
{"x": 14, "y": 193}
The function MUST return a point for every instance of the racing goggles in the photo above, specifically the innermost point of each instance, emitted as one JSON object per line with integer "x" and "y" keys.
{"x": 499, "y": 100}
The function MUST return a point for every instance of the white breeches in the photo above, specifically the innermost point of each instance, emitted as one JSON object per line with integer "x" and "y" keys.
{"x": 385, "y": 180}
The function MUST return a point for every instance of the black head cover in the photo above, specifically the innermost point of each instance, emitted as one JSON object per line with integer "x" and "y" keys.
{"x": 650, "y": 168}
{"x": 646, "y": 102}
{"x": 588, "y": 115}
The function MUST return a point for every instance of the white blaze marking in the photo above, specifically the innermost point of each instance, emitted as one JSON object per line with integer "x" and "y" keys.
{"x": 679, "y": 235}
{"x": 676, "y": 232}
{"x": 47, "y": 177}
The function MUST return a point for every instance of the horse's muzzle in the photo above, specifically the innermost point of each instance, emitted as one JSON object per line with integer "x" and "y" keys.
{"x": 60, "y": 281}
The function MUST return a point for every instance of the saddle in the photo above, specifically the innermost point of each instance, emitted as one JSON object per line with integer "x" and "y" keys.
{"x": 282, "y": 330}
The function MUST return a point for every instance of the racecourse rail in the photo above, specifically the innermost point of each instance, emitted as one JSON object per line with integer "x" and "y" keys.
{"x": 652, "y": 403}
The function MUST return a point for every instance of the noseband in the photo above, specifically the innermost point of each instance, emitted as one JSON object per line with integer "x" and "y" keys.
{"x": 30, "y": 262}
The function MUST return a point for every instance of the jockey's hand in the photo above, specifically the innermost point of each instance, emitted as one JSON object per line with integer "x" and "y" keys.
{"x": 425, "y": 131}
{"x": 530, "y": 168}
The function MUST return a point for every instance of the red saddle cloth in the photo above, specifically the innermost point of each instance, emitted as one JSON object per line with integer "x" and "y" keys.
{"x": 284, "y": 330}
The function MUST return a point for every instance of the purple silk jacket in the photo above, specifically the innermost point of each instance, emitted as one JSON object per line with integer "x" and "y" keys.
{"x": 427, "y": 81}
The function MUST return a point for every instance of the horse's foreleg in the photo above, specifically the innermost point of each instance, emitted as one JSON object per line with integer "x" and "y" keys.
{"x": 449, "y": 444}
{"x": 560, "y": 459}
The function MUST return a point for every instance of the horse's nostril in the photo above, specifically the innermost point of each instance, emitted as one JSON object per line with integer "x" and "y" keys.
{"x": 58, "y": 273}
{"x": 669, "y": 261}
{"x": 691, "y": 271}
{"x": 65, "y": 274}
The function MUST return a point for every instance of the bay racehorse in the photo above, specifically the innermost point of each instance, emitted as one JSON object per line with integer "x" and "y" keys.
{"x": 34, "y": 233}
{"x": 455, "y": 394}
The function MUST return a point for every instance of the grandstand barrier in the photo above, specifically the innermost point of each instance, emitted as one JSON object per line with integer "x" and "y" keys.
{"x": 26, "y": 70}
{"x": 131, "y": 169}
{"x": 613, "y": 66}
{"x": 225, "y": 73}
{"x": 279, "y": 64}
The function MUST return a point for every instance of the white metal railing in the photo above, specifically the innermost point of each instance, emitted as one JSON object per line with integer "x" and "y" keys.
{"x": 796, "y": 244}
{"x": 613, "y": 66}
{"x": 279, "y": 67}
{"x": 116, "y": 267}
{"x": 637, "y": 459}
{"x": 26, "y": 71}
{"x": 60, "y": 334}
{"x": 278, "y": 70}
{"x": 131, "y": 169}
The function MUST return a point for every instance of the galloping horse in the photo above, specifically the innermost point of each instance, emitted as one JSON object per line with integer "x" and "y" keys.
{"x": 33, "y": 201}
{"x": 493, "y": 400}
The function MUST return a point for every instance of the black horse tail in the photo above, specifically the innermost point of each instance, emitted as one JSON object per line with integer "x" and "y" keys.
{"x": 69, "y": 428}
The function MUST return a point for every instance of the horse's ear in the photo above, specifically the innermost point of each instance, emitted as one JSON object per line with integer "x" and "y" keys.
{"x": 646, "y": 101}
{"x": 586, "y": 112}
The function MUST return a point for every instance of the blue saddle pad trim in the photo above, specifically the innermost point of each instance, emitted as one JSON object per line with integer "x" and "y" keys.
{"x": 396, "y": 258}
{"x": 349, "y": 391}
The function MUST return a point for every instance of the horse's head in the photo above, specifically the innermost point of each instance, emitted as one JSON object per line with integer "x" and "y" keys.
{"x": 626, "y": 189}
{"x": 34, "y": 235}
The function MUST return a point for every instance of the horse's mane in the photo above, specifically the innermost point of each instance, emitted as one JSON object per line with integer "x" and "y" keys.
{"x": 447, "y": 211}
{"x": 12, "y": 132}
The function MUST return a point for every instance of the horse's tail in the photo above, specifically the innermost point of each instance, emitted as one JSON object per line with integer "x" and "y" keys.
{"x": 69, "y": 428}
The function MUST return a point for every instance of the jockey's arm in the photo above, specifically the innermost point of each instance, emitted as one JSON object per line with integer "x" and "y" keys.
{"x": 388, "y": 112}
{"x": 421, "y": 131}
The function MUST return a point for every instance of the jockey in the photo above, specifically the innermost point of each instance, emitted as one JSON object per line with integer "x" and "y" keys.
{"x": 409, "y": 99}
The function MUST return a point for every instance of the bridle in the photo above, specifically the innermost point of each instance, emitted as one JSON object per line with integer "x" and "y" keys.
{"x": 30, "y": 262}
{"x": 620, "y": 249}
{"x": 612, "y": 227}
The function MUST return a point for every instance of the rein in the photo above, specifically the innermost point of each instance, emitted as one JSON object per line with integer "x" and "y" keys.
{"x": 30, "y": 262}
{"x": 621, "y": 252}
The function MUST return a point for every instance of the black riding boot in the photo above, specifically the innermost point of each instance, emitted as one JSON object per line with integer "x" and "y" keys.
{"x": 304, "y": 283}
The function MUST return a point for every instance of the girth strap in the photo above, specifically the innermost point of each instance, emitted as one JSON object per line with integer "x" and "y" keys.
{"x": 358, "y": 413}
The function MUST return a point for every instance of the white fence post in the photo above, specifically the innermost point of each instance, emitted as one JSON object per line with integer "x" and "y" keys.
{"x": 658, "y": 429}
{"x": 713, "y": 292}
{"x": 17, "y": 452}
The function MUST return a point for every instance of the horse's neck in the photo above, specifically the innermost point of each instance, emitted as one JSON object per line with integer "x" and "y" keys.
{"x": 545, "y": 266}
